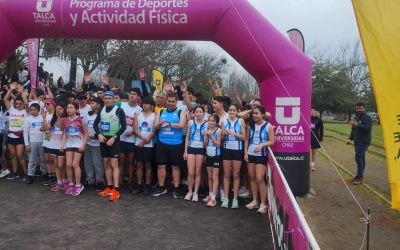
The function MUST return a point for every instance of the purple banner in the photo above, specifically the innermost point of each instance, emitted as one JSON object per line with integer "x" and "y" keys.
{"x": 33, "y": 58}
{"x": 288, "y": 226}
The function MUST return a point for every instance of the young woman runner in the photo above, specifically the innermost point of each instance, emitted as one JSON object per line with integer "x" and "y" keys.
{"x": 260, "y": 136}
{"x": 212, "y": 141}
{"x": 74, "y": 141}
{"x": 195, "y": 152}
{"x": 234, "y": 134}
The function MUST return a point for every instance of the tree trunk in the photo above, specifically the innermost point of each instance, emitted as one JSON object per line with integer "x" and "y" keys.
{"x": 11, "y": 65}
{"x": 73, "y": 68}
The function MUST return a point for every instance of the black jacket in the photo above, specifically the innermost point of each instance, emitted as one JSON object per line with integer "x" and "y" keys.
{"x": 361, "y": 133}
{"x": 317, "y": 127}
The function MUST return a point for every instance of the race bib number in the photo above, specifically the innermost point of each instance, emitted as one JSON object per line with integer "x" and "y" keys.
{"x": 72, "y": 131}
{"x": 129, "y": 120}
{"x": 56, "y": 131}
{"x": 105, "y": 126}
{"x": 211, "y": 151}
{"x": 16, "y": 123}
{"x": 167, "y": 131}
{"x": 37, "y": 124}
{"x": 90, "y": 123}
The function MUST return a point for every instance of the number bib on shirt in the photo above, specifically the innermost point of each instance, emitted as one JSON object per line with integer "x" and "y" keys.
{"x": 105, "y": 126}
{"x": 197, "y": 143}
{"x": 72, "y": 131}
{"x": 211, "y": 151}
{"x": 37, "y": 124}
{"x": 90, "y": 123}
{"x": 16, "y": 123}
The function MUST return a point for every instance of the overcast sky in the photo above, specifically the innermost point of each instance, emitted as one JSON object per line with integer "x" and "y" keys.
{"x": 326, "y": 25}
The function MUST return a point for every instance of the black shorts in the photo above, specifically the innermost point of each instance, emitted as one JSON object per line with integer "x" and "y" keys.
{"x": 52, "y": 151}
{"x": 232, "y": 155}
{"x": 214, "y": 161}
{"x": 15, "y": 141}
{"x": 258, "y": 159}
{"x": 315, "y": 143}
{"x": 144, "y": 154}
{"x": 196, "y": 151}
{"x": 126, "y": 147}
{"x": 169, "y": 154}
{"x": 110, "y": 152}
{"x": 74, "y": 150}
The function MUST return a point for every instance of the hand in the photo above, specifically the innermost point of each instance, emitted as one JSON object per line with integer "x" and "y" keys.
{"x": 185, "y": 156}
{"x": 246, "y": 158}
{"x": 210, "y": 83}
{"x": 184, "y": 87}
{"x": 13, "y": 86}
{"x": 145, "y": 140}
{"x": 28, "y": 148}
{"x": 20, "y": 88}
{"x": 257, "y": 149}
{"x": 62, "y": 148}
{"x": 353, "y": 122}
{"x": 102, "y": 139}
{"x": 82, "y": 149}
{"x": 129, "y": 133}
{"x": 142, "y": 74}
{"x": 87, "y": 78}
{"x": 43, "y": 113}
{"x": 164, "y": 125}
{"x": 168, "y": 86}
{"x": 349, "y": 142}
{"x": 111, "y": 141}
{"x": 208, "y": 133}
{"x": 141, "y": 145}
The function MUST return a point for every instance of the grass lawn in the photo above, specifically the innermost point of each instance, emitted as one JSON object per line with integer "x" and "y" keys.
{"x": 343, "y": 130}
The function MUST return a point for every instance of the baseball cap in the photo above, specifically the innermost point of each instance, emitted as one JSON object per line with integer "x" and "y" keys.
{"x": 109, "y": 93}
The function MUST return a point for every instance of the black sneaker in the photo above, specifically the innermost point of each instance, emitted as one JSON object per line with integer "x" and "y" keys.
{"x": 99, "y": 186}
{"x": 29, "y": 180}
{"x": 147, "y": 190}
{"x": 25, "y": 178}
{"x": 52, "y": 180}
{"x": 177, "y": 194}
{"x": 12, "y": 176}
{"x": 137, "y": 189}
{"x": 159, "y": 191}
{"x": 45, "y": 180}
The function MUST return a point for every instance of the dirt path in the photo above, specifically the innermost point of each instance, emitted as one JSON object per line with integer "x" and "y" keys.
{"x": 333, "y": 215}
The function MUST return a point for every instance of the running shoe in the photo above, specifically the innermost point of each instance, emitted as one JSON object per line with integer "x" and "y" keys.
{"x": 177, "y": 193}
{"x": 357, "y": 181}
{"x": 188, "y": 196}
{"x": 12, "y": 176}
{"x": 252, "y": 205}
{"x": 137, "y": 189}
{"x": 99, "y": 186}
{"x": 56, "y": 187}
{"x": 195, "y": 197}
{"x": 244, "y": 193}
{"x": 28, "y": 180}
{"x": 159, "y": 191}
{"x": 65, "y": 185}
{"x": 114, "y": 196}
{"x": 225, "y": 203}
{"x": 77, "y": 190}
{"x": 235, "y": 204}
{"x": 106, "y": 192}
{"x": 45, "y": 180}
{"x": 207, "y": 199}
{"x": 70, "y": 189}
{"x": 263, "y": 209}
{"x": 147, "y": 190}
{"x": 25, "y": 178}
{"x": 4, "y": 173}
{"x": 211, "y": 203}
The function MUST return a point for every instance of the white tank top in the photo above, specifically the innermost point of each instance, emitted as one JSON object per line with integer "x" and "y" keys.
{"x": 47, "y": 134}
{"x": 129, "y": 116}
{"x": 16, "y": 121}
{"x": 145, "y": 126}
{"x": 89, "y": 119}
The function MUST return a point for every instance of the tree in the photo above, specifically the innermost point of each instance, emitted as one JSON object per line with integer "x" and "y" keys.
{"x": 244, "y": 85}
{"x": 16, "y": 61}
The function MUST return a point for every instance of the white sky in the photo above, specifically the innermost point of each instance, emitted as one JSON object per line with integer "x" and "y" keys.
{"x": 326, "y": 25}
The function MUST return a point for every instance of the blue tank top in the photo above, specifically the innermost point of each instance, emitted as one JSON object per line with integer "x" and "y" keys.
{"x": 212, "y": 149}
{"x": 169, "y": 135}
{"x": 196, "y": 137}
{"x": 258, "y": 135}
{"x": 231, "y": 142}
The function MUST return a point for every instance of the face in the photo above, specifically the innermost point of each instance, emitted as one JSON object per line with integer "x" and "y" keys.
{"x": 19, "y": 105}
{"x": 108, "y": 101}
{"x": 133, "y": 97}
{"x": 314, "y": 112}
{"x": 59, "y": 111}
{"x": 49, "y": 107}
{"x": 216, "y": 105}
{"x": 94, "y": 105}
{"x": 255, "y": 104}
{"x": 33, "y": 111}
{"x": 211, "y": 122}
{"x": 360, "y": 109}
{"x": 100, "y": 94}
{"x": 82, "y": 102}
{"x": 257, "y": 116}
{"x": 41, "y": 98}
{"x": 160, "y": 100}
{"x": 117, "y": 98}
{"x": 171, "y": 103}
{"x": 147, "y": 107}
{"x": 199, "y": 113}
{"x": 232, "y": 111}
{"x": 71, "y": 110}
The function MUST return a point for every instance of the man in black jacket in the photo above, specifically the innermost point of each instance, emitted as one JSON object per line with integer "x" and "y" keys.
{"x": 317, "y": 135}
{"x": 361, "y": 136}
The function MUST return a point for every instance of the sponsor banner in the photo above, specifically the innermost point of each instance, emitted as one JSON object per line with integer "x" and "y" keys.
{"x": 33, "y": 58}
{"x": 378, "y": 23}
{"x": 288, "y": 225}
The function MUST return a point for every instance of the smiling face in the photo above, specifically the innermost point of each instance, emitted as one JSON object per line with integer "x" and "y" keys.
{"x": 171, "y": 103}
{"x": 19, "y": 105}
{"x": 257, "y": 115}
{"x": 71, "y": 110}
{"x": 232, "y": 111}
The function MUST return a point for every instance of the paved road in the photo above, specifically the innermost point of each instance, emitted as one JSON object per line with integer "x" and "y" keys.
{"x": 34, "y": 218}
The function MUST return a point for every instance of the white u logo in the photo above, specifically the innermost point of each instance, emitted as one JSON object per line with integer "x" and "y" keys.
{"x": 281, "y": 103}
{"x": 46, "y": 8}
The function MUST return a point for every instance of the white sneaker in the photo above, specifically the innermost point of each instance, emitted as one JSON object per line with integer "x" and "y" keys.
{"x": 263, "y": 209}
{"x": 4, "y": 173}
{"x": 195, "y": 197}
{"x": 244, "y": 195}
{"x": 242, "y": 189}
{"x": 188, "y": 196}
{"x": 253, "y": 204}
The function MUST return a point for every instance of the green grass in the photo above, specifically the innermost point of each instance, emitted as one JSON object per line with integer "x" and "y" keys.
{"x": 344, "y": 129}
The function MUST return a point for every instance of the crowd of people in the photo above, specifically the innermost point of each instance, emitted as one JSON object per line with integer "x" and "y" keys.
{"x": 96, "y": 137}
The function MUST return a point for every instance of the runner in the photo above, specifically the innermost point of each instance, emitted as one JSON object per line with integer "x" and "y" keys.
{"x": 194, "y": 152}
{"x": 170, "y": 147}
{"x": 51, "y": 165}
{"x": 128, "y": 138}
{"x": 234, "y": 134}
{"x": 260, "y": 136}
{"x": 110, "y": 123}
{"x": 144, "y": 130}
{"x": 74, "y": 141}
{"x": 212, "y": 140}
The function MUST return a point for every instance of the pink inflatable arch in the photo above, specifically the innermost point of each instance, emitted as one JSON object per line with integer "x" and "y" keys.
{"x": 283, "y": 72}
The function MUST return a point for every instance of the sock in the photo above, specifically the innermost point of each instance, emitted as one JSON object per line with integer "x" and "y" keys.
{"x": 210, "y": 193}
{"x": 59, "y": 182}
{"x": 116, "y": 189}
{"x": 71, "y": 184}
{"x": 64, "y": 181}
{"x": 110, "y": 186}
{"x": 212, "y": 196}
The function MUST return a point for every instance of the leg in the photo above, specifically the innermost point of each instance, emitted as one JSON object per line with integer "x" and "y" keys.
{"x": 108, "y": 171}
{"x": 115, "y": 171}
{"x": 260, "y": 175}
{"x": 69, "y": 156}
{"x": 227, "y": 177}
{"x": 191, "y": 165}
{"x": 215, "y": 179}
{"x": 77, "y": 168}
{"x": 20, "y": 157}
{"x": 89, "y": 164}
{"x": 253, "y": 182}
{"x": 42, "y": 161}
{"x": 98, "y": 164}
{"x": 48, "y": 158}
{"x": 131, "y": 162}
{"x": 176, "y": 175}
{"x": 139, "y": 172}
{"x": 236, "y": 178}
{"x": 54, "y": 161}
{"x": 122, "y": 161}
{"x": 162, "y": 174}
{"x": 210, "y": 179}
{"x": 13, "y": 153}
{"x": 199, "y": 165}
{"x": 148, "y": 172}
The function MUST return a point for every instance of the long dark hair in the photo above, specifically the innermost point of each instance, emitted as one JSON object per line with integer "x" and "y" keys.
{"x": 54, "y": 119}
{"x": 252, "y": 123}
